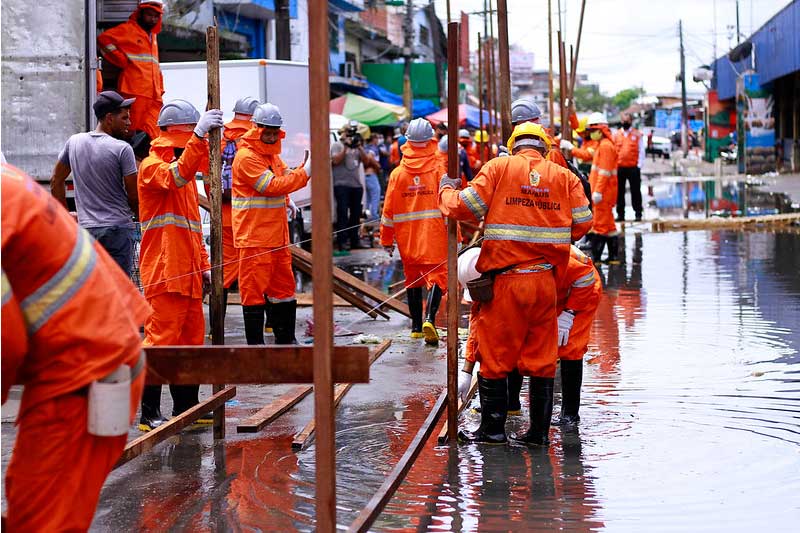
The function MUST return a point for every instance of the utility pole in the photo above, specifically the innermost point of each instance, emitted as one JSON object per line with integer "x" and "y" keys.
{"x": 505, "y": 70}
{"x": 684, "y": 108}
{"x": 738, "y": 33}
{"x": 283, "y": 42}
{"x": 408, "y": 44}
{"x": 550, "y": 72}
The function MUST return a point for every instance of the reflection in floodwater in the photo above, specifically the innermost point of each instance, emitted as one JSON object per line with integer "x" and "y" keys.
{"x": 690, "y": 421}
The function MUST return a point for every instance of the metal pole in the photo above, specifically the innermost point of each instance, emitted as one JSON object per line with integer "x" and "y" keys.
{"x": 494, "y": 74}
{"x": 550, "y": 95}
{"x": 322, "y": 267}
{"x": 562, "y": 83}
{"x": 483, "y": 150}
{"x": 452, "y": 235}
{"x": 684, "y": 107}
{"x": 505, "y": 70}
{"x": 216, "y": 301}
{"x": 408, "y": 44}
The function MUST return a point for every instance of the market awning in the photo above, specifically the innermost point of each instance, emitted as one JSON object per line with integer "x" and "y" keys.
{"x": 467, "y": 116}
{"x": 421, "y": 107}
{"x": 370, "y": 112}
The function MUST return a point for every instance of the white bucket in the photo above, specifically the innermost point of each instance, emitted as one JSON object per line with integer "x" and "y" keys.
{"x": 109, "y": 404}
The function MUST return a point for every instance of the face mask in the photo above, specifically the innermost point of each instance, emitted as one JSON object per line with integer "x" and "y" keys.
{"x": 626, "y": 125}
{"x": 596, "y": 135}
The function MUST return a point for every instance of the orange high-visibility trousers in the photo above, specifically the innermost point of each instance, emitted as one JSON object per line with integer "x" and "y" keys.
{"x": 518, "y": 327}
{"x": 578, "y": 337}
{"x": 57, "y": 469}
{"x": 265, "y": 273}
{"x": 176, "y": 320}
{"x": 144, "y": 115}
{"x": 426, "y": 275}
{"x": 230, "y": 257}
{"x": 471, "y": 346}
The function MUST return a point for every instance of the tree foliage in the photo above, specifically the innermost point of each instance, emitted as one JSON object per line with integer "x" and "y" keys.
{"x": 623, "y": 99}
{"x": 588, "y": 98}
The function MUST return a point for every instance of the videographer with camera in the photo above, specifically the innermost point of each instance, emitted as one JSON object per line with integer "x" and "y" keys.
{"x": 347, "y": 155}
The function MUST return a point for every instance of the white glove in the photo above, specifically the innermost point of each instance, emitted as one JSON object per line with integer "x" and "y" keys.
{"x": 291, "y": 211}
{"x": 565, "y": 320}
{"x": 464, "y": 380}
{"x": 307, "y": 164}
{"x": 211, "y": 119}
{"x": 597, "y": 197}
{"x": 448, "y": 182}
{"x": 502, "y": 151}
{"x": 566, "y": 145}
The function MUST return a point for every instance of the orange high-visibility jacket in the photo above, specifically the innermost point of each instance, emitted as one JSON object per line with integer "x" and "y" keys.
{"x": 627, "y": 145}
{"x": 411, "y": 213}
{"x": 234, "y": 130}
{"x": 555, "y": 156}
{"x": 533, "y": 209}
{"x": 135, "y": 51}
{"x": 81, "y": 312}
{"x": 603, "y": 176}
{"x": 172, "y": 255}
{"x": 473, "y": 156}
{"x": 586, "y": 152}
{"x": 395, "y": 151}
{"x": 261, "y": 181}
{"x": 578, "y": 285}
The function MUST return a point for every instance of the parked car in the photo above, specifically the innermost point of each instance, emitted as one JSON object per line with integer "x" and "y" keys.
{"x": 662, "y": 147}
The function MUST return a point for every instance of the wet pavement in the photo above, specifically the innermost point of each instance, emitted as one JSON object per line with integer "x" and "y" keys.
{"x": 690, "y": 418}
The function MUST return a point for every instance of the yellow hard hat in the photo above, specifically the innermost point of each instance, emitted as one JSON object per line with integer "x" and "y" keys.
{"x": 481, "y": 136}
{"x": 529, "y": 129}
{"x": 582, "y": 125}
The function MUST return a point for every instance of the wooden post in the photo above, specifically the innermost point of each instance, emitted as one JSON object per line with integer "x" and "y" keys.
{"x": 562, "y": 83}
{"x": 493, "y": 66}
{"x": 483, "y": 150}
{"x": 452, "y": 233}
{"x": 489, "y": 102}
{"x": 505, "y": 71}
{"x": 216, "y": 301}
{"x": 575, "y": 58}
{"x": 550, "y": 95}
{"x": 319, "y": 98}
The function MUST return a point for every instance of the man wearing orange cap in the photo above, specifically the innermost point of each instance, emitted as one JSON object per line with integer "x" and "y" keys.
{"x": 173, "y": 260}
{"x": 261, "y": 181}
{"x": 411, "y": 217}
{"x": 130, "y": 51}
{"x": 70, "y": 319}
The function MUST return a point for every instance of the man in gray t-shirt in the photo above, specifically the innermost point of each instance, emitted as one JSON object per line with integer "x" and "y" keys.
{"x": 104, "y": 172}
{"x": 347, "y": 156}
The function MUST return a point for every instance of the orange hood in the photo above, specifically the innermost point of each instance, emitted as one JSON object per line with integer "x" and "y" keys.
{"x": 155, "y": 7}
{"x": 271, "y": 152}
{"x": 416, "y": 158}
{"x": 236, "y": 128}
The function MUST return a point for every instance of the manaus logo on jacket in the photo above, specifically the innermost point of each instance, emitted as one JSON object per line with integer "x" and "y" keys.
{"x": 534, "y": 178}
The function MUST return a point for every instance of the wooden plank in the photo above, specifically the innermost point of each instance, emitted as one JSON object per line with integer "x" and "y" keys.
{"x": 216, "y": 298}
{"x": 148, "y": 441}
{"x": 356, "y": 284}
{"x": 322, "y": 272}
{"x": 303, "y": 437}
{"x": 473, "y": 386}
{"x": 724, "y": 223}
{"x": 367, "y": 517}
{"x": 452, "y": 234}
{"x": 241, "y": 364}
{"x": 271, "y": 412}
{"x": 306, "y": 299}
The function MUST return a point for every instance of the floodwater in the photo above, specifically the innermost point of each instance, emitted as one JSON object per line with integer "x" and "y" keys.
{"x": 690, "y": 418}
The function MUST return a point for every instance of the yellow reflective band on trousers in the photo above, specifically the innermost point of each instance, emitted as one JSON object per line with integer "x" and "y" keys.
{"x": 530, "y": 234}
{"x": 417, "y": 215}
{"x": 258, "y": 202}
{"x": 171, "y": 219}
{"x": 45, "y": 301}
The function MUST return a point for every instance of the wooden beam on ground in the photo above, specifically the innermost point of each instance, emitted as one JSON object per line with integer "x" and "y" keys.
{"x": 384, "y": 494}
{"x": 216, "y": 307}
{"x": 148, "y": 441}
{"x": 726, "y": 223}
{"x": 241, "y": 364}
{"x": 303, "y": 437}
{"x": 452, "y": 233}
{"x": 340, "y": 276}
{"x": 306, "y": 299}
{"x": 271, "y": 412}
{"x": 473, "y": 386}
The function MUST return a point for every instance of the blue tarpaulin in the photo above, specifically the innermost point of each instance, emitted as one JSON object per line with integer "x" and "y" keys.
{"x": 376, "y": 92}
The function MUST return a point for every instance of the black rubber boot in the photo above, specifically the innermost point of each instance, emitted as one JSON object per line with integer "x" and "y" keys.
{"x": 598, "y": 243}
{"x": 414, "y": 296}
{"x": 613, "y": 249}
{"x": 253, "y": 323}
{"x": 151, "y": 408}
{"x": 183, "y": 397}
{"x": 268, "y": 327}
{"x": 494, "y": 406}
{"x": 541, "y": 404}
{"x": 514, "y": 386}
{"x": 429, "y": 326}
{"x": 571, "y": 379}
{"x": 284, "y": 317}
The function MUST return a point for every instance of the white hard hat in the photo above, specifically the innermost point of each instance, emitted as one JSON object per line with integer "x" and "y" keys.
{"x": 420, "y": 130}
{"x": 462, "y": 133}
{"x": 268, "y": 115}
{"x": 443, "y": 144}
{"x": 523, "y": 110}
{"x": 246, "y": 105}
{"x": 466, "y": 269}
{"x": 178, "y": 112}
{"x": 596, "y": 119}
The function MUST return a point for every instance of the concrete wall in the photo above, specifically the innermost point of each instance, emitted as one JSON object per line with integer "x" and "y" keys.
{"x": 43, "y": 86}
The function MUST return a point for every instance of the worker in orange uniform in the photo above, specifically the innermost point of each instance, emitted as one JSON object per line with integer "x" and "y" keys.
{"x": 630, "y": 158}
{"x": 71, "y": 318}
{"x": 396, "y": 150}
{"x": 173, "y": 261}
{"x": 532, "y": 209}
{"x": 411, "y": 217}
{"x": 131, "y": 50}
{"x": 261, "y": 181}
{"x": 242, "y": 121}
{"x": 465, "y": 140}
{"x": 526, "y": 110}
{"x": 603, "y": 180}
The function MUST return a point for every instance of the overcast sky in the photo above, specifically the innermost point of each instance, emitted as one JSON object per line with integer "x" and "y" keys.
{"x": 628, "y": 43}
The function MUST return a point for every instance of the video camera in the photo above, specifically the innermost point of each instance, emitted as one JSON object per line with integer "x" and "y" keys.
{"x": 352, "y": 139}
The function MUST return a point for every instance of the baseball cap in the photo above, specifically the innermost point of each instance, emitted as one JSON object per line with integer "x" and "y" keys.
{"x": 110, "y": 102}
